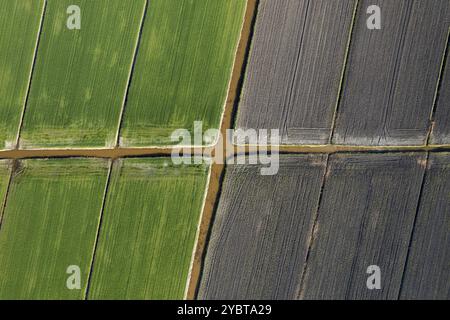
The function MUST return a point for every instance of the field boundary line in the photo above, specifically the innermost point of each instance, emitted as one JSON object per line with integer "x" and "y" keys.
{"x": 413, "y": 228}
{"x": 438, "y": 88}
{"x": 313, "y": 231}
{"x": 5, "y": 199}
{"x": 118, "y": 153}
{"x": 30, "y": 77}
{"x": 218, "y": 170}
{"x": 131, "y": 72}
{"x": 99, "y": 227}
{"x": 339, "y": 148}
{"x": 233, "y": 81}
{"x": 197, "y": 235}
{"x": 344, "y": 71}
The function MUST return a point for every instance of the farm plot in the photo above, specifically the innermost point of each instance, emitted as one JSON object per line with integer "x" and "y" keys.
{"x": 50, "y": 223}
{"x": 183, "y": 69}
{"x": 392, "y": 74}
{"x": 81, "y": 76}
{"x": 19, "y": 25}
{"x": 295, "y": 68}
{"x": 366, "y": 217}
{"x": 428, "y": 268}
{"x": 148, "y": 231}
{"x": 260, "y": 238}
{"x": 441, "y": 128}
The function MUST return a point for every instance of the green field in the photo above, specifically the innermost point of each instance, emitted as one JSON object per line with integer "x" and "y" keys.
{"x": 19, "y": 26}
{"x": 183, "y": 68}
{"x": 81, "y": 76}
{"x": 148, "y": 230}
{"x": 50, "y": 222}
{"x": 5, "y": 167}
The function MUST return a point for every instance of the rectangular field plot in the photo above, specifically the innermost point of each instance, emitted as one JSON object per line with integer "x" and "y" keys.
{"x": 441, "y": 128}
{"x": 81, "y": 76}
{"x": 50, "y": 223}
{"x": 366, "y": 217}
{"x": 183, "y": 69}
{"x": 148, "y": 231}
{"x": 392, "y": 74}
{"x": 295, "y": 68}
{"x": 19, "y": 25}
{"x": 261, "y": 233}
{"x": 428, "y": 268}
